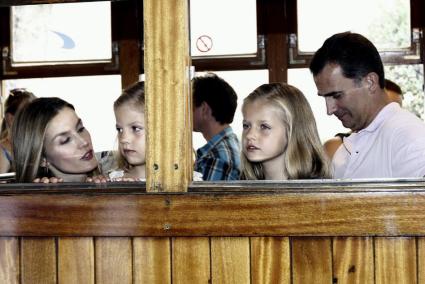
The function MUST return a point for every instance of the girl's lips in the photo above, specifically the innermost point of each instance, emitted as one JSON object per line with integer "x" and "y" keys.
{"x": 251, "y": 148}
{"x": 88, "y": 155}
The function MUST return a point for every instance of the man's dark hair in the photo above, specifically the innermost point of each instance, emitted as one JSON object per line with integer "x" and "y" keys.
{"x": 391, "y": 86}
{"x": 356, "y": 55}
{"x": 218, "y": 94}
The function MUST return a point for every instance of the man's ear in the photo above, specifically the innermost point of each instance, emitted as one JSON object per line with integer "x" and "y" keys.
{"x": 372, "y": 82}
{"x": 206, "y": 109}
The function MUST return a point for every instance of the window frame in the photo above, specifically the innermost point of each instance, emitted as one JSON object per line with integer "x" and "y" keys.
{"x": 411, "y": 55}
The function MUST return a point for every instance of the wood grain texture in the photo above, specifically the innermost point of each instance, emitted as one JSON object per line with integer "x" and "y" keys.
{"x": 191, "y": 260}
{"x": 152, "y": 260}
{"x": 113, "y": 260}
{"x": 38, "y": 260}
{"x": 395, "y": 260}
{"x": 167, "y": 88}
{"x": 421, "y": 259}
{"x": 214, "y": 214}
{"x": 9, "y": 260}
{"x": 311, "y": 260}
{"x": 353, "y": 260}
{"x": 75, "y": 260}
{"x": 230, "y": 260}
{"x": 270, "y": 260}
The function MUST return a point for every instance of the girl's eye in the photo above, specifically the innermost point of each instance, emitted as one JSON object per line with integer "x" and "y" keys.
{"x": 245, "y": 125}
{"x": 119, "y": 129}
{"x": 137, "y": 128}
{"x": 265, "y": 126}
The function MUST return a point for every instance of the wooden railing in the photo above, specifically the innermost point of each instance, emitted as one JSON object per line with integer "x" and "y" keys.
{"x": 289, "y": 232}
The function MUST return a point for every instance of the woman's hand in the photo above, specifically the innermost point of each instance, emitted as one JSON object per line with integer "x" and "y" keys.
{"x": 48, "y": 180}
{"x": 97, "y": 179}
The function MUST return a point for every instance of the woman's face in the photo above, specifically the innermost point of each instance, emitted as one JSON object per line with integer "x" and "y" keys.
{"x": 67, "y": 144}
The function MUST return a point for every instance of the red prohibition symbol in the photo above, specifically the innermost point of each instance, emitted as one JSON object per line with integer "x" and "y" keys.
{"x": 204, "y": 43}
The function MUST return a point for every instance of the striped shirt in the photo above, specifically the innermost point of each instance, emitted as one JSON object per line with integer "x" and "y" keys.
{"x": 219, "y": 159}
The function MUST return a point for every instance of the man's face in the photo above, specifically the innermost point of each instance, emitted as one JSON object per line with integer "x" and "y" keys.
{"x": 198, "y": 117}
{"x": 344, "y": 98}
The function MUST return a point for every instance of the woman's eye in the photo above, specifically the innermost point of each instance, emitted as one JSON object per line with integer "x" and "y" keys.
{"x": 119, "y": 129}
{"x": 64, "y": 141}
{"x": 81, "y": 129}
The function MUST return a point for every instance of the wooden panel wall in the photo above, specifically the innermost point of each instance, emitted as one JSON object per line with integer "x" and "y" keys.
{"x": 212, "y": 260}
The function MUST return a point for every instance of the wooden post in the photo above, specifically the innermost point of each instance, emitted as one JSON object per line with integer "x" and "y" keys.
{"x": 168, "y": 102}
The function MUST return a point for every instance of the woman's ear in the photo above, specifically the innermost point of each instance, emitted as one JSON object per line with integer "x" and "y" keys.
{"x": 9, "y": 119}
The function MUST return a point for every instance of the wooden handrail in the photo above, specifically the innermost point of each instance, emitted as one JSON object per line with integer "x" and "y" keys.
{"x": 303, "y": 208}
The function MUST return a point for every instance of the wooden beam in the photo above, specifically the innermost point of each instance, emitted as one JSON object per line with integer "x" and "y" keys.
{"x": 278, "y": 212}
{"x": 168, "y": 102}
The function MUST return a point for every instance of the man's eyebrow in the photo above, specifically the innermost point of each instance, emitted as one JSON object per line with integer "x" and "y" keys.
{"x": 331, "y": 94}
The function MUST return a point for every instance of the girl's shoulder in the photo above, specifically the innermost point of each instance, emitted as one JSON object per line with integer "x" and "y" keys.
{"x": 107, "y": 161}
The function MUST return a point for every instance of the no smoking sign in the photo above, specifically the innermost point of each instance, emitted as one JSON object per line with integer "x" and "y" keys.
{"x": 204, "y": 43}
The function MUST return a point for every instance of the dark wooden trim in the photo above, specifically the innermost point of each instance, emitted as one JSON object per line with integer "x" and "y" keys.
{"x": 8, "y": 3}
{"x": 236, "y": 209}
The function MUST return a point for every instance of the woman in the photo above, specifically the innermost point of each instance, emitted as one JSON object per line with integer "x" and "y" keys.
{"x": 50, "y": 144}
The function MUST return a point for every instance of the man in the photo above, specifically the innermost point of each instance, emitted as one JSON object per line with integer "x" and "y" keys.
{"x": 394, "y": 94}
{"x": 387, "y": 141}
{"x": 215, "y": 102}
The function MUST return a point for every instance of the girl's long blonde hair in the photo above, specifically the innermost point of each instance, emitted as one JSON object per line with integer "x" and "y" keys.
{"x": 305, "y": 157}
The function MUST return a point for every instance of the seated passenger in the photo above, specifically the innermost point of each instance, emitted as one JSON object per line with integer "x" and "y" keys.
{"x": 214, "y": 105}
{"x": 130, "y": 123}
{"x": 280, "y": 139}
{"x": 349, "y": 75}
{"x": 50, "y": 144}
{"x": 14, "y": 102}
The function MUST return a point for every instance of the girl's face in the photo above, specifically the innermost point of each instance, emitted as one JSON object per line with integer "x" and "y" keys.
{"x": 130, "y": 123}
{"x": 264, "y": 136}
{"x": 67, "y": 144}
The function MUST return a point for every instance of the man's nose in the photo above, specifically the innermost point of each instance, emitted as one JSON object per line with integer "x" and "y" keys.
{"x": 330, "y": 105}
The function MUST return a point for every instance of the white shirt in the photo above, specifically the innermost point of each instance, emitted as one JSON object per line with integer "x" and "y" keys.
{"x": 392, "y": 146}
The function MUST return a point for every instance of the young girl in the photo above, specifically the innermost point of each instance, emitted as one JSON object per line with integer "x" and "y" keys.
{"x": 130, "y": 123}
{"x": 280, "y": 139}
{"x": 14, "y": 102}
{"x": 50, "y": 144}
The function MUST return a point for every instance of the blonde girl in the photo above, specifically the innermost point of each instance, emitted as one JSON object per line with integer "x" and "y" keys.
{"x": 280, "y": 139}
{"x": 130, "y": 125}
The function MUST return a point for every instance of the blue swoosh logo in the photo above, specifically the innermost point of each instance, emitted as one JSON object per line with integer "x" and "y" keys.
{"x": 68, "y": 43}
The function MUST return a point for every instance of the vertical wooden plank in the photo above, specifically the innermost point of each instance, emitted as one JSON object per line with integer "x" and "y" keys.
{"x": 230, "y": 259}
{"x": 353, "y": 260}
{"x": 75, "y": 260}
{"x": 38, "y": 260}
{"x": 152, "y": 257}
{"x": 9, "y": 260}
{"x": 395, "y": 260}
{"x": 311, "y": 260}
{"x": 191, "y": 260}
{"x": 113, "y": 260}
{"x": 421, "y": 259}
{"x": 270, "y": 260}
{"x": 168, "y": 102}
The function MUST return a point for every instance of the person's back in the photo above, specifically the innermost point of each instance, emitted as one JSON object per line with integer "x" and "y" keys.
{"x": 214, "y": 106}
{"x": 387, "y": 141}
